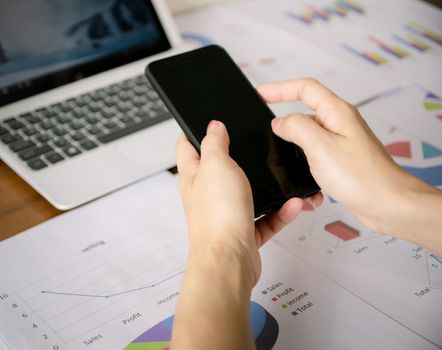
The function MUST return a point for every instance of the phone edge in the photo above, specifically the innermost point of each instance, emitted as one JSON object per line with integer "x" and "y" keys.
{"x": 151, "y": 78}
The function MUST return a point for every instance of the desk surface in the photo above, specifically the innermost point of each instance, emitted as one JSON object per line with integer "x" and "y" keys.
{"x": 21, "y": 207}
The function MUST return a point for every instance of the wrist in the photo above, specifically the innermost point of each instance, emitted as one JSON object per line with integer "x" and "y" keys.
{"x": 224, "y": 268}
{"x": 214, "y": 301}
{"x": 415, "y": 213}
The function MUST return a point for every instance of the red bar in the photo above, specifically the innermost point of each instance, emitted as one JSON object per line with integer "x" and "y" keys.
{"x": 342, "y": 230}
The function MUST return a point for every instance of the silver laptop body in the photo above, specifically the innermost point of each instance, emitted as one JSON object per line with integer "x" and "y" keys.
{"x": 111, "y": 157}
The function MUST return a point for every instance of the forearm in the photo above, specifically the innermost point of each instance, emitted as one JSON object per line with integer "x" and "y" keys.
{"x": 213, "y": 310}
{"x": 417, "y": 215}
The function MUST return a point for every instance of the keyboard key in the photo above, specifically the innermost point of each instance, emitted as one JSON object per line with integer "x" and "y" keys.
{"x": 124, "y": 96}
{"x": 94, "y": 108}
{"x": 30, "y": 130}
{"x": 110, "y": 125}
{"x": 141, "y": 90}
{"x": 59, "y": 131}
{"x": 76, "y": 125}
{"x": 140, "y": 79}
{"x": 9, "y": 138}
{"x": 81, "y": 101}
{"x": 94, "y": 130}
{"x": 152, "y": 95}
{"x": 78, "y": 136}
{"x": 112, "y": 90}
{"x": 3, "y": 130}
{"x": 61, "y": 142}
{"x": 127, "y": 119}
{"x": 21, "y": 145}
{"x": 128, "y": 84}
{"x": 37, "y": 164}
{"x": 15, "y": 124}
{"x": 54, "y": 157}
{"x": 7, "y": 121}
{"x": 71, "y": 151}
{"x": 48, "y": 112}
{"x": 95, "y": 96}
{"x": 142, "y": 113}
{"x": 108, "y": 113}
{"x": 110, "y": 102}
{"x": 46, "y": 124}
{"x": 30, "y": 118}
{"x": 114, "y": 135}
{"x": 63, "y": 118}
{"x": 78, "y": 113}
{"x": 92, "y": 119}
{"x": 34, "y": 152}
{"x": 140, "y": 101}
{"x": 65, "y": 107}
{"x": 124, "y": 107}
{"x": 88, "y": 145}
{"x": 42, "y": 137}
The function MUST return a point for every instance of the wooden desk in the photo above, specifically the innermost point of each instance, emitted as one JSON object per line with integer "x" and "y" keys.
{"x": 21, "y": 207}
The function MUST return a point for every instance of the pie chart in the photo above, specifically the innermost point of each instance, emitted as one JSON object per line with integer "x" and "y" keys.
{"x": 265, "y": 332}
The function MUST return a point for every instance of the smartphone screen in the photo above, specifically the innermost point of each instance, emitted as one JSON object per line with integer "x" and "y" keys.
{"x": 206, "y": 84}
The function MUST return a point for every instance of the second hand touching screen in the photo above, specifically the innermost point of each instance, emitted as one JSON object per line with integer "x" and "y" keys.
{"x": 206, "y": 84}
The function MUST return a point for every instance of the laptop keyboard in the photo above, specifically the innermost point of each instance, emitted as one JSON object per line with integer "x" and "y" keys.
{"x": 64, "y": 130}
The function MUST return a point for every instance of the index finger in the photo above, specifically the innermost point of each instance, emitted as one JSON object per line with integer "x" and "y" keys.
{"x": 312, "y": 93}
{"x": 187, "y": 156}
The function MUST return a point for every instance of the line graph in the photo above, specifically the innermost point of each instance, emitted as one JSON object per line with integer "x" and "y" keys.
{"x": 153, "y": 285}
{"x": 107, "y": 285}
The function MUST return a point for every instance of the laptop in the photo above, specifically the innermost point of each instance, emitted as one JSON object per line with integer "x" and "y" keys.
{"x": 77, "y": 116}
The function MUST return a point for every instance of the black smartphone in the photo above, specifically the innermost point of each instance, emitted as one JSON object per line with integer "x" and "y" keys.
{"x": 206, "y": 84}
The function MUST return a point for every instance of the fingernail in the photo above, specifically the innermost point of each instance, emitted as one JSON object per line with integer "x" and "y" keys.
{"x": 276, "y": 122}
{"x": 213, "y": 124}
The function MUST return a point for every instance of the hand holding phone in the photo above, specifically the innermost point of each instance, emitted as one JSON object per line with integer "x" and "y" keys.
{"x": 205, "y": 84}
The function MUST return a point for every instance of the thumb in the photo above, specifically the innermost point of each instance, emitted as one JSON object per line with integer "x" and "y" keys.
{"x": 216, "y": 143}
{"x": 299, "y": 129}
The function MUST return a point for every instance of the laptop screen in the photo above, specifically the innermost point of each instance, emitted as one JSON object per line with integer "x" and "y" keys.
{"x": 48, "y": 43}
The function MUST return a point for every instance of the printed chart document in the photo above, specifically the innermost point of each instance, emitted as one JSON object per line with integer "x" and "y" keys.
{"x": 107, "y": 276}
{"x": 388, "y": 39}
{"x": 267, "y": 53}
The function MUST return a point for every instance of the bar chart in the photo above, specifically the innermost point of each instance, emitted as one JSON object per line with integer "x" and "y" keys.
{"x": 340, "y": 230}
{"x": 335, "y": 9}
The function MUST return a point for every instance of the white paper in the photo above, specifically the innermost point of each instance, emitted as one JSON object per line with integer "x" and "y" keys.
{"x": 103, "y": 275}
{"x": 398, "y": 278}
{"x": 110, "y": 260}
